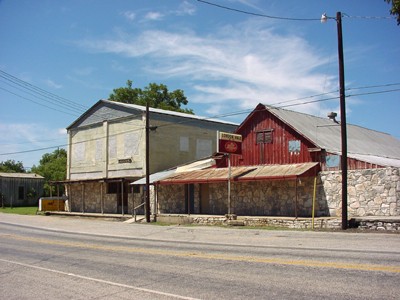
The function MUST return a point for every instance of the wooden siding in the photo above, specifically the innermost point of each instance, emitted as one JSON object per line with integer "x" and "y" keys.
{"x": 352, "y": 164}
{"x": 20, "y": 191}
{"x": 277, "y": 150}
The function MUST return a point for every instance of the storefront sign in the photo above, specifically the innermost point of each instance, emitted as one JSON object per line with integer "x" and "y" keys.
{"x": 230, "y": 143}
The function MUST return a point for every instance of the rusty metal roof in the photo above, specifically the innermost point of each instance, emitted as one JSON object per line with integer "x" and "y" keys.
{"x": 278, "y": 171}
{"x": 262, "y": 172}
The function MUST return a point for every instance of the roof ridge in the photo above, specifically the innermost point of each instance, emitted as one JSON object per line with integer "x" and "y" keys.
{"x": 169, "y": 112}
{"x": 322, "y": 118}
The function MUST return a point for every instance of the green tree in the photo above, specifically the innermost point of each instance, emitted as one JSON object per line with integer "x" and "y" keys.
{"x": 11, "y": 166}
{"x": 395, "y": 10}
{"x": 53, "y": 167}
{"x": 157, "y": 95}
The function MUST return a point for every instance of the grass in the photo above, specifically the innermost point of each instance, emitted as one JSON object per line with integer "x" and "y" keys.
{"x": 19, "y": 210}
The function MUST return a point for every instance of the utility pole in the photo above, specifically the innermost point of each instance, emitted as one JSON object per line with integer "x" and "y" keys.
{"x": 147, "y": 203}
{"x": 343, "y": 126}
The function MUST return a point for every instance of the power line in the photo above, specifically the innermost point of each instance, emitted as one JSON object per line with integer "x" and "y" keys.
{"x": 43, "y": 93}
{"x": 36, "y": 102}
{"x": 369, "y": 17}
{"x": 374, "y": 93}
{"x": 288, "y": 18}
{"x": 284, "y": 104}
{"x": 372, "y": 86}
{"x": 257, "y": 14}
{"x": 63, "y": 105}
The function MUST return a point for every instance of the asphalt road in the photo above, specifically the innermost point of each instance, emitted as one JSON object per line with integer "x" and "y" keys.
{"x": 73, "y": 258}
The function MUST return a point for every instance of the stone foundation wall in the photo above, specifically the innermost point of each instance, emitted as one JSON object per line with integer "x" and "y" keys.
{"x": 171, "y": 199}
{"x": 276, "y": 198}
{"x": 87, "y": 198}
{"x": 292, "y": 223}
{"x": 371, "y": 192}
{"x": 258, "y": 198}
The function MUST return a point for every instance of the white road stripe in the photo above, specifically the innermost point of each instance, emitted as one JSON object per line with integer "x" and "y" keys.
{"x": 100, "y": 280}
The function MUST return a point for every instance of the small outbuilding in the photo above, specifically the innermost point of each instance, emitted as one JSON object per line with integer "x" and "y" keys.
{"x": 20, "y": 189}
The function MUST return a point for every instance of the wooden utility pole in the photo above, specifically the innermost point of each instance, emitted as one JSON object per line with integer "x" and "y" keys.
{"x": 147, "y": 203}
{"x": 343, "y": 126}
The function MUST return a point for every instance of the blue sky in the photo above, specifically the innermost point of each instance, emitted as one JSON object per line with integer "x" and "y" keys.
{"x": 225, "y": 61}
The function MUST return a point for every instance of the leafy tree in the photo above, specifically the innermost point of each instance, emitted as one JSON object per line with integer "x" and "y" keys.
{"x": 11, "y": 166}
{"x": 157, "y": 95}
{"x": 53, "y": 167}
{"x": 395, "y": 10}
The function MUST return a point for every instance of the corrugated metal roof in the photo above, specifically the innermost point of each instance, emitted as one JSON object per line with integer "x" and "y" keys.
{"x": 155, "y": 177}
{"x": 192, "y": 166}
{"x": 327, "y": 135}
{"x": 377, "y": 160}
{"x": 101, "y": 118}
{"x": 21, "y": 175}
{"x": 168, "y": 112}
{"x": 278, "y": 171}
{"x": 240, "y": 173}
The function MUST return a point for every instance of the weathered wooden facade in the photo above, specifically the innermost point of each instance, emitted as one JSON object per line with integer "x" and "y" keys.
{"x": 107, "y": 151}
{"x": 279, "y": 136}
{"x": 20, "y": 189}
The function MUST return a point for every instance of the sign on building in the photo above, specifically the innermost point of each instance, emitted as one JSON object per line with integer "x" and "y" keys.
{"x": 229, "y": 143}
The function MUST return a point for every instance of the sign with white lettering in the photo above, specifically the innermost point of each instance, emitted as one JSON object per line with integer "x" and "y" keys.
{"x": 230, "y": 143}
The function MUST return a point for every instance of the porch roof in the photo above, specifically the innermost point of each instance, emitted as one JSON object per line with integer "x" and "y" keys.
{"x": 248, "y": 173}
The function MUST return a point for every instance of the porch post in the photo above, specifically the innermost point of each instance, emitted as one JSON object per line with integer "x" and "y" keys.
{"x": 295, "y": 201}
{"x": 83, "y": 197}
{"x": 122, "y": 196}
{"x": 229, "y": 184}
{"x": 101, "y": 197}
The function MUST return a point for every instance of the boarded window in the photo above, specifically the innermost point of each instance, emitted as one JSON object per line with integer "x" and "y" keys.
{"x": 79, "y": 150}
{"x": 99, "y": 150}
{"x": 184, "y": 143}
{"x": 203, "y": 148}
{"x": 264, "y": 137}
{"x": 131, "y": 145}
{"x": 112, "y": 147}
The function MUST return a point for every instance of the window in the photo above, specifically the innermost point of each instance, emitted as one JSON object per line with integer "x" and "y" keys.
{"x": 184, "y": 143}
{"x": 21, "y": 193}
{"x": 113, "y": 187}
{"x": 294, "y": 146}
{"x": 264, "y": 137}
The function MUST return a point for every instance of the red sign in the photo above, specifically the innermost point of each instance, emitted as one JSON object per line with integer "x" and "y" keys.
{"x": 230, "y": 143}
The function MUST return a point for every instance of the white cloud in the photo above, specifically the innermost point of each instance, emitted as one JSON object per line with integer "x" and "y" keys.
{"x": 52, "y": 84}
{"x": 186, "y": 8}
{"x": 84, "y": 71}
{"x": 239, "y": 65}
{"x": 129, "y": 15}
{"x": 154, "y": 16}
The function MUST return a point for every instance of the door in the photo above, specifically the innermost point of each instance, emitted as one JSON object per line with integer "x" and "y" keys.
{"x": 122, "y": 197}
{"x": 189, "y": 198}
{"x": 204, "y": 199}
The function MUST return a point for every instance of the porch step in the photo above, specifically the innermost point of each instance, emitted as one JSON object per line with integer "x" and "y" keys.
{"x": 139, "y": 219}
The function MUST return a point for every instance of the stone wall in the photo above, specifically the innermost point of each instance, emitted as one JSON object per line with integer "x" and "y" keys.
{"x": 371, "y": 192}
{"x": 92, "y": 197}
{"x": 257, "y": 198}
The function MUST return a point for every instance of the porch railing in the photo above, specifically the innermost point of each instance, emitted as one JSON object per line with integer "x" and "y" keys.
{"x": 136, "y": 208}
